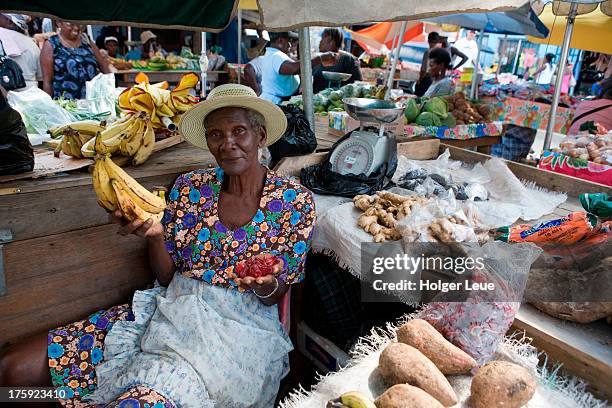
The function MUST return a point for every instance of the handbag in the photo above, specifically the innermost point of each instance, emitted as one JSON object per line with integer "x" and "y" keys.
{"x": 11, "y": 75}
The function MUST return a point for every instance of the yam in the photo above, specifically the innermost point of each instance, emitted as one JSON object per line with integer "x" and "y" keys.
{"x": 449, "y": 358}
{"x": 404, "y": 395}
{"x": 502, "y": 384}
{"x": 400, "y": 363}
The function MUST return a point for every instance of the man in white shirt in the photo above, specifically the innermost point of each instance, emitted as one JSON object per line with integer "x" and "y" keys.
{"x": 252, "y": 74}
{"x": 279, "y": 73}
{"x": 20, "y": 48}
{"x": 469, "y": 47}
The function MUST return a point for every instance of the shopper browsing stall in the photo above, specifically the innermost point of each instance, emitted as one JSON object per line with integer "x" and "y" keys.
{"x": 544, "y": 74}
{"x": 439, "y": 63}
{"x": 19, "y": 47}
{"x": 69, "y": 59}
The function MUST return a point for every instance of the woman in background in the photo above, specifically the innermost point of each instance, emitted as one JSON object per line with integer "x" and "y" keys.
{"x": 68, "y": 60}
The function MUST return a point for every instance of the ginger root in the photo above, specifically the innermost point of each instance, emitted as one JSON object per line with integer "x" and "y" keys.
{"x": 382, "y": 211}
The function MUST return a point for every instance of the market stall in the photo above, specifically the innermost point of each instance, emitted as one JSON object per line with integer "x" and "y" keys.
{"x": 578, "y": 347}
{"x": 127, "y": 77}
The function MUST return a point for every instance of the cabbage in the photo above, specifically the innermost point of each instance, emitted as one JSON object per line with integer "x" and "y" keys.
{"x": 436, "y": 105}
{"x": 449, "y": 121}
{"x": 428, "y": 119}
{"x": 412, "y": 110}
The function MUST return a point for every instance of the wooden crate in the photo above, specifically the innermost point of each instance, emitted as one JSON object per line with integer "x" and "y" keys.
{"x": 64, "y": 260}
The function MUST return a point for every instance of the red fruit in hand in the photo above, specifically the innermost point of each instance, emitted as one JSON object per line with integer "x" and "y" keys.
{"x": 257, "y": 267}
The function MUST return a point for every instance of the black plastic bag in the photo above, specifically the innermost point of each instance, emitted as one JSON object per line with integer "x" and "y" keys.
{"x": 322, "y": 180}
{"x": 16, "y": 154}
{"x": 299, "y": 139}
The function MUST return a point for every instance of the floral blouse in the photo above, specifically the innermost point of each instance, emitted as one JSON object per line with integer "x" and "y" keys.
{"x": 203, "y": 248}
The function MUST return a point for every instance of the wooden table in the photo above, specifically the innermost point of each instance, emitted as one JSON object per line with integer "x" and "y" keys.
{"x": 64, "y": 260}
{"x": 482, "y": 144}
{"x": 127, "y": 77}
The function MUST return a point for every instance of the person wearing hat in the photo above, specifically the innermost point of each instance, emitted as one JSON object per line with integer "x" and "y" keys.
{"x": 210, "y": 338}
{"x": 19, "y": 47}
{"x": 279, "y": 76}
{"x": 150, "y": 46}
{"x": 111, "y": 45}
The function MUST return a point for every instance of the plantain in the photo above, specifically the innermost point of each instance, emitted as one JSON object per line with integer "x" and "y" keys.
{"x": 140, "y": 195}
{"x": 146, "y": 148}
{"x": 355, "y": 399}
{"x": 84, "y": 126}
{"x": 130, "y": 144}
{"x": 130, "y": 210}
{"x": 103, "y": 187}
{"x": 111, "y": 134}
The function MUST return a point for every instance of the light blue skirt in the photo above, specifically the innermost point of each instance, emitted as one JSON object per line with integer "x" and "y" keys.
{"x": 197, "y": 344}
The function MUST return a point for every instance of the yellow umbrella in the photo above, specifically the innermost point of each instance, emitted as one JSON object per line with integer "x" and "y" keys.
{"x": 592, "y": 31}
{"x": 248, "y": 5}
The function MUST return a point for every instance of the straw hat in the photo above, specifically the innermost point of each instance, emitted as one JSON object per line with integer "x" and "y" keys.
{"x": 146, "y": 36}
{"x": 191, "y": 125}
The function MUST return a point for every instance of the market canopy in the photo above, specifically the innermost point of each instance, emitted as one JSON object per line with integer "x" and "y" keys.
{"x": 207, "y": 15}
{"x": 373, "y": 38}
{"x": 522, "y": 21}
{"x": 281, "y": 15}
{"x": 592, "y": 31}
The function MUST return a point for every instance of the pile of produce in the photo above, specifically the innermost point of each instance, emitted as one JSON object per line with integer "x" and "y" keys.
{"x": 79, "y": 113}
{"x": 465, "y": 112}
{"x": 596, "y": 147}
{"x": 382, "y": 211}
{"x": 447, "y": 111}
{"x": 157, "y": 101}
{"x": 73, "y": 136}
{"x": 431, "y": 112}
{"x": 330, "y": 100}
{"x": 257, "y": 266}
{"x": 121, "y": 63}
{"x": 117, "y": 190}
{"x": 415, "y": 366}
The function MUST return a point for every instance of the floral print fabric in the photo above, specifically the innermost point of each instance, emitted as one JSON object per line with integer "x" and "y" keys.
{"x": 72, "y": 67}
{"x": 203, "y": 248}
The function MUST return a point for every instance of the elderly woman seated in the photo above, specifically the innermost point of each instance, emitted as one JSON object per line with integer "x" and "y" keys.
{"x": 211, "y": 338}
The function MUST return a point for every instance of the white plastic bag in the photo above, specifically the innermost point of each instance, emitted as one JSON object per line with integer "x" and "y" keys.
{"x": 38, "y": 111}
{"x": 100, "y": 94}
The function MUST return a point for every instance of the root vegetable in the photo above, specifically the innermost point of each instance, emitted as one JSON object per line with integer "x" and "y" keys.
{"x": 404, "y": 395}
{"x": 449, "y": 358}
{"x": 363, "y": 201}
{"x": 502, "y": 384}
{"x": 400, "y": 363}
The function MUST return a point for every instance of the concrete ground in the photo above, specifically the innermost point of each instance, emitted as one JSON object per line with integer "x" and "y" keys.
{"x": 538, "y": 144}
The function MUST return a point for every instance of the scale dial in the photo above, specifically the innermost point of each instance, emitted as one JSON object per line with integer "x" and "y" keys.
{"x": 352, "y": 157}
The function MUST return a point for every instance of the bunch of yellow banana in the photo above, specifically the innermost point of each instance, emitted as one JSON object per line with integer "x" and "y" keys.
{"x": 131, "y": 136}
{"x": 157, "y": 101}
{"x": 74, "y": 135}
{"x": 117, "y": 190}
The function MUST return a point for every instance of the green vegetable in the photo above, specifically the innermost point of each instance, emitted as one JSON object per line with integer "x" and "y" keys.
{"x": 335, "y": 96}
{"x": 449, "y": 121}
{"x": 428, "y": 119}
{"x": 436, "y": 105}
{"x": 412, "y": 110}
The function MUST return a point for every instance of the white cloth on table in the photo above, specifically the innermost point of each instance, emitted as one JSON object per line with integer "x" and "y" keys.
{"x": 275, "y": 85}
{"x": 197, "y": 344}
